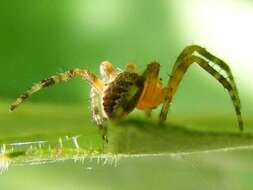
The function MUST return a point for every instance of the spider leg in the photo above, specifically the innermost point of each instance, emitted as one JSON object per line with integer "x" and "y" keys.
{"x": 84, "y": 74}
{"x": 97, "y": 113}
{"x": 203, "y": 52}
{"x": 189, "y": 50}
{"x": 178, "y": 72}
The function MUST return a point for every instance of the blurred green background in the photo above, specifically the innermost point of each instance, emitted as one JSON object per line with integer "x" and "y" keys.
{"x": 41, "y": 38}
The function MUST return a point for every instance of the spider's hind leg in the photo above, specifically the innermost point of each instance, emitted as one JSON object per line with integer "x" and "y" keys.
{"x": 189, "y": 50}
{"x": 220, "y": 63}
{"x": 183, "y": 62}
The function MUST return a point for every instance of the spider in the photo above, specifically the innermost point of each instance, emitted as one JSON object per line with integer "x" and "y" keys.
{"x": 118, "y": 92}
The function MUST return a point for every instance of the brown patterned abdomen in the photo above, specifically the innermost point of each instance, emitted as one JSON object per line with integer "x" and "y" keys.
{"x": 122, "y": 94}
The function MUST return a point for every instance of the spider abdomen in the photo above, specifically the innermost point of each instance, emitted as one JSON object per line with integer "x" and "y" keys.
{"x": 122, "y": 94}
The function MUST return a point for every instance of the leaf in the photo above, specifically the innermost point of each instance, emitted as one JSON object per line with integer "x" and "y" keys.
{"x": 40, "y": 133}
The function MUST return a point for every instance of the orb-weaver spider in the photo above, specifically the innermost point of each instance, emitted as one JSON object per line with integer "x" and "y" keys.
{"x": 119, "y": 92}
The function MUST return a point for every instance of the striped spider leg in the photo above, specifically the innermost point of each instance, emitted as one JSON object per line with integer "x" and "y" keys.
{"x": 61, "y": 77}
{"x": 96, "y": 91}
{"x": 185, "y": 59}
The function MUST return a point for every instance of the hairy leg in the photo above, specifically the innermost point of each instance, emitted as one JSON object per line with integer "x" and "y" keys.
{"x": 189, "y": 50}
{"x": 97, "y": 113}
{"x": 217, "y": 61}
{"x": 84, "y": 74}
{"x": 178, "y": 72}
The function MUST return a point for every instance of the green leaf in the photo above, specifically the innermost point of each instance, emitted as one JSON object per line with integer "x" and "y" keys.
{"x": 40, "y": 133}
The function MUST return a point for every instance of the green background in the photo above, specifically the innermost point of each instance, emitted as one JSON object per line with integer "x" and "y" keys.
{"x": 41, "y": 38}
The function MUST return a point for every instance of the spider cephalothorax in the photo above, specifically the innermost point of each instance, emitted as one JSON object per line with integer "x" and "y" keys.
{"x": 118, "y": 92}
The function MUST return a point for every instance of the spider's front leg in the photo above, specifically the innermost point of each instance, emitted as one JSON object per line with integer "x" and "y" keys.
{"x": 183, "y": 62}
{"x": 61, "y": 77}
{"x": 96, "y": 90}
